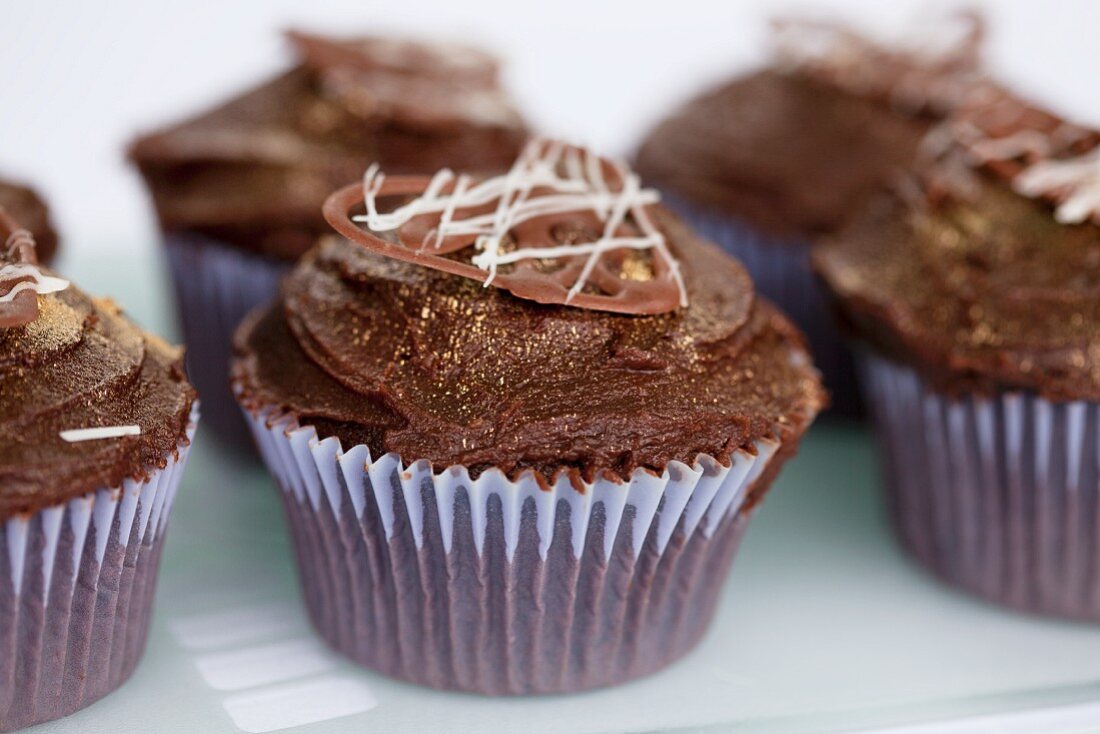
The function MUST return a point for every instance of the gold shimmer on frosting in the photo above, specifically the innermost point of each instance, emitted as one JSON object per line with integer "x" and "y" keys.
{"x": 429, "y": 365}
{"x": 82, "y": 364}
{"x": 977, "y": 284}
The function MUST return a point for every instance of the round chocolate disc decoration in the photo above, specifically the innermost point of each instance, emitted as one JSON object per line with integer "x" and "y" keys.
{"x": 562, "y": 227}
{"x": 1038, "y": 153}
{"x": 21, "y": 280}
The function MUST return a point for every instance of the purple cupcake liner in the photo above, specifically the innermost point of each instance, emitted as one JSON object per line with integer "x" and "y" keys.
{"x": 76, "y": 594}
{"x": 496, "y": 586}
{"x": 216, "y": 285}
{"x": 780, "y": 269}
{"x": 997, "y": 495}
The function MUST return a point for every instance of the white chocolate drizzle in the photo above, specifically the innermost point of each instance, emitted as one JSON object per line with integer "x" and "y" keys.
{"x": 548, "y": 178}
{"x": 38, "y": 281}
{"x": 1074, "y": 183}
{"x": 1045, "y": 153}
{"x": 76, "y": 435}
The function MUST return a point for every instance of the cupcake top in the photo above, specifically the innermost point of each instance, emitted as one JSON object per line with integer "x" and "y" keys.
{"x": 668, "y": 356}
{"x": 28, "y": 208}
{"x": 87, "y": 399}
{"x": 790, "y": 148}
{"x": 255, "y": 170}
{"x": 983, "y": 270}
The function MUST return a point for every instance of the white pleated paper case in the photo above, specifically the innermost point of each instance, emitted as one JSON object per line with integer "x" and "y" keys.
{"x": 76, "y": 586}
{"x": 444, "y": 533}
{"x": 995, "y": 494}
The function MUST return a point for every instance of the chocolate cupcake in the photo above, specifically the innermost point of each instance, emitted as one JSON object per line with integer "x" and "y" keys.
{"x": 25, "y": 206}
{"x": 766, "y": 163}
{"x": 533, "y": 487}
{"x": 96, "y": 421}
{"x": 238, "y": 190}
{"x": 973, "y": 291}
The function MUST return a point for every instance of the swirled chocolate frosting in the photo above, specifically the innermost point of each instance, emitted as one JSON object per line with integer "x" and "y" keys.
{"x": 434, "y": 366}
{"x": 28, "y": 208}
{"x": 256, "y": 170}
{"x": 973, "y": 275}
{"x": 786, "y": 153}
{"x": 792, "y": 149}
{"x": 82, "y": 364}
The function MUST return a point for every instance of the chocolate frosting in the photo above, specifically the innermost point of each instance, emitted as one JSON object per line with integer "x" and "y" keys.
{"x": 434, "y": 366}
{"x": 788, "y": 154}
{"x": 974, "y": 283}
{"x": 28, "y": 208}
{"x": 794, "y": 148}
{"x": 81, "y": 364}
{"x": 256, "y": 170}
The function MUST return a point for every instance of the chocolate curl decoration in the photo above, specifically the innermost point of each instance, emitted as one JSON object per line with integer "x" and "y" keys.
{"x": 20, "y": 278}
{"x": 563, "y": 227}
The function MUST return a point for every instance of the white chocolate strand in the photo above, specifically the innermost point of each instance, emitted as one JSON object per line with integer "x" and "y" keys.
{"x": 39, "y": 282}
{"x": 1074, "y": 183}
{"x": 77, "y": 435}
{"x": 1025, "y": 142}
{"x": 548, "y": 178}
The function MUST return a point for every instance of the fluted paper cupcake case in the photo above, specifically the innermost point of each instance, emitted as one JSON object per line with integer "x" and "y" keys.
{"x": 497, "y": 586}
{"x": 216, "y": 285}
{"x": 781, "y": 272}
{"x": 997, "y": 495}
{"x": 76, "y": 592}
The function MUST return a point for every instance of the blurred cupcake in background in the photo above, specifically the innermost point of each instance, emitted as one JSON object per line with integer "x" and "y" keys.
{"x": 96, "y": 421}
{"x": 533, "y": 487}
{"x": 973, "y": 292}
{"x": 767, "y": 162}
{"x": 238, "y": 190}
{"x": 24, "y": 205}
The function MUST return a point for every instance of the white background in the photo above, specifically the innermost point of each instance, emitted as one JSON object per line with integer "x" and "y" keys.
{"x": 80, "y": 78}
